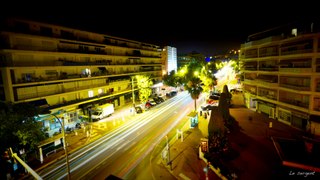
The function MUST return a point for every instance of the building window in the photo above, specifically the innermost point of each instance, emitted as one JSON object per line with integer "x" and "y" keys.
{"x": 90, "y": 93}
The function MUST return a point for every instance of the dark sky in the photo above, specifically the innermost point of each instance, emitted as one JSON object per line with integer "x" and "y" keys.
{"x": 205, "y": 27}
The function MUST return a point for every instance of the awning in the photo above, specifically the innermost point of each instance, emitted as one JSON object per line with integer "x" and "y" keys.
{"x": 86, "y": 105}
{"x": 39, "y": 103}
{"x": 102, "y": 68}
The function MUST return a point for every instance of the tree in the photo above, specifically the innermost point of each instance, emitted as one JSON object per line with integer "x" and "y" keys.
{"x": 219, "y": 123}
{"x": 144, "y": 84}
{"x": 218, "y": 141}
{"x": 170, "y": 79}
{"x": 194, "y": 88}
{"x": 207, "y": 77}
{"x": 19, "y": 128}
{"x": 224, "y": 106}
{"x": 228, "y": 94}
{"x": 226, "y": 75}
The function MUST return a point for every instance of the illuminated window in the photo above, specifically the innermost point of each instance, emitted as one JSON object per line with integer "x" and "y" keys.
{"x": 90, "y": 93}
{"x": 86, "y": 72}
{"x": 100, "y": 91}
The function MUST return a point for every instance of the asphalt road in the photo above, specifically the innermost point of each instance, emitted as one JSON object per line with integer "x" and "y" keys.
{"x": 123, "y": 148}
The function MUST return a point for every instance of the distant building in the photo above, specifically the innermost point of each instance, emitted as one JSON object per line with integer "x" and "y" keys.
{"x": 184, "y": 59}
{"x": 70, "y": 70}
{"x": 169, "y": 56}
{"x": 281, "y": 74}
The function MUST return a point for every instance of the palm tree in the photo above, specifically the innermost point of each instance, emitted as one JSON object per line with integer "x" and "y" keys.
{"x": 194, "y": 88}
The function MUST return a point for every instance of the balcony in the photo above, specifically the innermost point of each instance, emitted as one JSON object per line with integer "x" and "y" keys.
{"x": 294, "y": 102}
{"x": 296, "y": 87}
{"x": 298, "y": 47}
{"x": 268, "y": 68}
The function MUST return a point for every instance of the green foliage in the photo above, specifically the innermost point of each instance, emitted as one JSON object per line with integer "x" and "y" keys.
{"x": 144, "y": 84}
{"x": 18, "y": 128}
{"x": 171, "y": 79}
{"x": 207, "y": 77}
{"x": 194, "y": 88}
{"x": 235, "y": 64}
{"x": 219, "y": 121}
{"x": 197, "y": 76}
{"x": 226, "y": 75}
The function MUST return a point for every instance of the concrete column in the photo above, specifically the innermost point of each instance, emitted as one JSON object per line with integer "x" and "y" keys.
{"x": 7, "y": 84}
{"x": 41, "y": 155}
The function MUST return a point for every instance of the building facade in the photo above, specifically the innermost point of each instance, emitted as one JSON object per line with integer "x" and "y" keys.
{"x": 185, "y": 59}
{"x": 170, "y": 59}
{"x": 281, "y": 75}
{"x": 69, "y": 70}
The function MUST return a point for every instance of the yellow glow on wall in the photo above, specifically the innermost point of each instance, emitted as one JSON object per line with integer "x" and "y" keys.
{"x": 164, "y": 72}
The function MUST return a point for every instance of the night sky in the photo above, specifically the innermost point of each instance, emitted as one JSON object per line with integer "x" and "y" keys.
{"x": 208, "y": 28}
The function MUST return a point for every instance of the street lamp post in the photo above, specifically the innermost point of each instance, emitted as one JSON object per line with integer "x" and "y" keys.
{"x": 132, "y": 84}
{"x": 168, "y": 148}
{"x": 64, "y": 143}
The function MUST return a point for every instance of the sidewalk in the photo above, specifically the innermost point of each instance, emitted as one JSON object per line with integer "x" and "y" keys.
{"x": 256, "y": 155}
{"x": 186, "y": 163}
{"x": 81, "y": 138}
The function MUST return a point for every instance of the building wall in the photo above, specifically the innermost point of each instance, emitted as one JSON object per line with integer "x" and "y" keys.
{"x": 282, "y": 72}
{"x": 172, "y": 59}
{"x": 69, "y": 68}
{"x": 169, "y": 59}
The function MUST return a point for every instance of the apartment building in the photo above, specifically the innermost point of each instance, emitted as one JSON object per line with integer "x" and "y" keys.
{"x": 69, "y": 71}
{"x": 184, "y": 59}
{"x": 281, "y": 75}
{"x": 170, "y": 59}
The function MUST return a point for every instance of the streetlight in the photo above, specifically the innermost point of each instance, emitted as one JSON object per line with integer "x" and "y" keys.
{"x": 132, "y": 84}
{"x": 168, "y": 149}
{"x": 64, "y": 143}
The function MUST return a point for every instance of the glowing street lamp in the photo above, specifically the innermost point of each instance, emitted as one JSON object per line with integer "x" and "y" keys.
{"x": 64, "y": 141}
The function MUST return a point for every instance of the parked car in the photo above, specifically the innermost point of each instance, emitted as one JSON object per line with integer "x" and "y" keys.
{"x": 171, "y": 94}
{"x": 161, "y": 98}
{"x": 213, "y": 99}
{"x": 150, "y": 103}
{"x": 138, "y": 109}
{"x": 236, "y": 90}
{"x": 158, "y": 99}
{"x": 207, "y": 107}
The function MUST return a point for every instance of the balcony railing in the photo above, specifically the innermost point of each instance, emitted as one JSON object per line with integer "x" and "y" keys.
{"x": 65, "y": 90}
{"x": 288, "y": 52}
{"x": 268, "y": 68}
{"x": 296, "y": 87}
{"x": 295, "y": 102}
{"x": 272, "y": 97}
{"x": 296, "y": 70}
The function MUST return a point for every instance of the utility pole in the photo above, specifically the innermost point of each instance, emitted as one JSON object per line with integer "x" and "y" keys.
{"x": 64, "y": 143}
{"x": 168, "y": 148}
{"x": 132, "y": 84}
